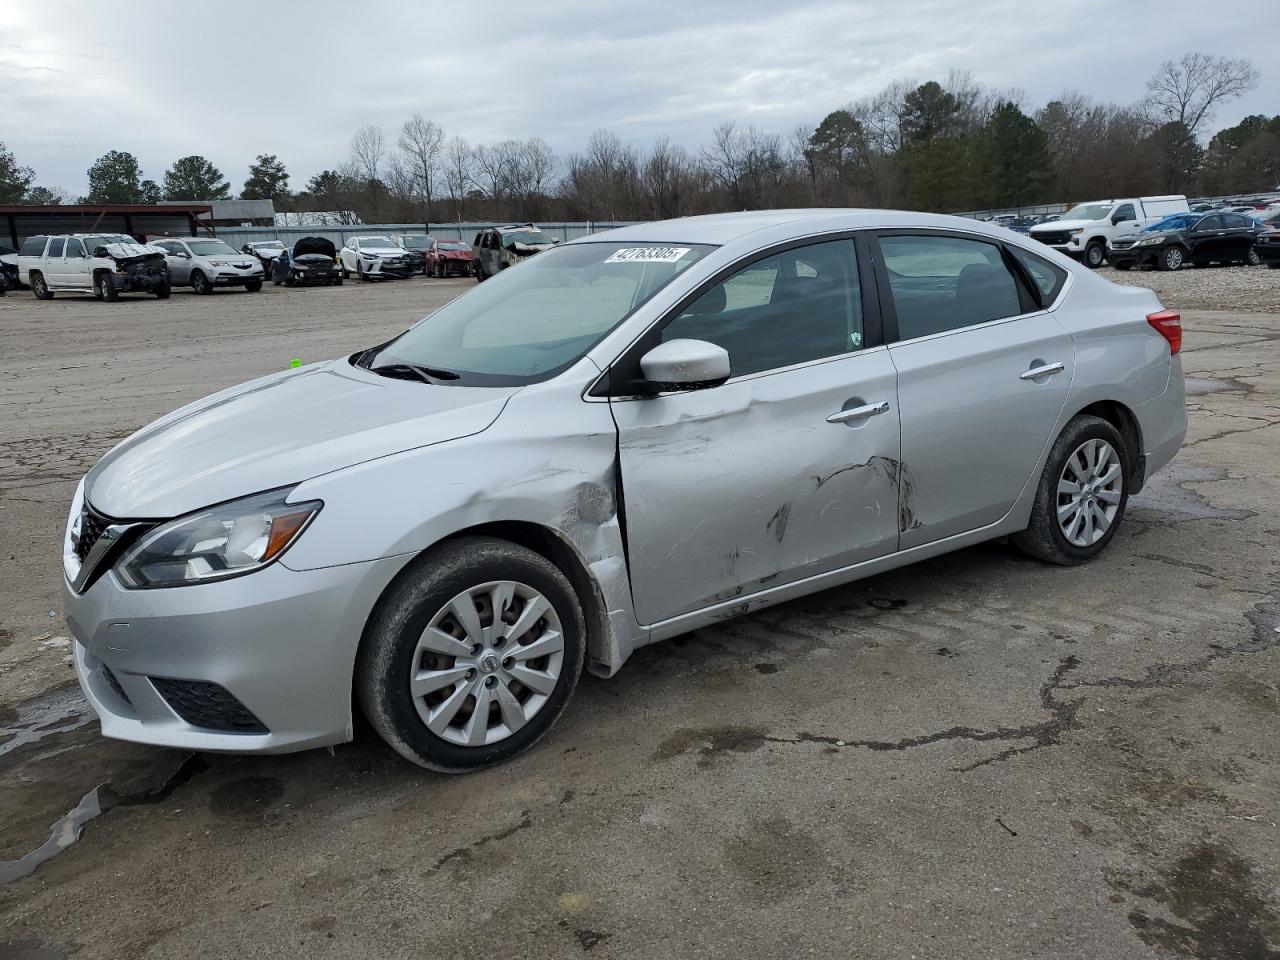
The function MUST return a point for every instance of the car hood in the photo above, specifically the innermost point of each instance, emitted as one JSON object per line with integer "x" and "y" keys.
{"x": 280, "y": 430}
{"x": 314, "y": 245}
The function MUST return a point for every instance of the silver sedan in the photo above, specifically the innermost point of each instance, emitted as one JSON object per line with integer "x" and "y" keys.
{"x": 622, "y": 439}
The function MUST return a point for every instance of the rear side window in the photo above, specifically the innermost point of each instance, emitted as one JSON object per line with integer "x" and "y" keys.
{"x": 75, "y": 248}
{"x": 55, "y": 246}
{"x": 946, "y": 283}
{"x": 33, "y": 246}
{"x": 1048, "y": 277}
{"x": 1236, "y": 221}
{"x": 799, "y": 305}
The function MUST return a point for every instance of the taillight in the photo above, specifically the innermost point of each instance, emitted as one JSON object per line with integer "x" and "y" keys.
{"x": 1169, "y": 325}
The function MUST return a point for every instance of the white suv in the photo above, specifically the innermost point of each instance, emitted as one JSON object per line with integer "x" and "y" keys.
{"x": 369, "y": 257}
{"x": 203, "y": 263}
{"x": 104, "y": 264}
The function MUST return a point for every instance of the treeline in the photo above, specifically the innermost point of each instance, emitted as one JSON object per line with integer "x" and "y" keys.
{"x": 949, "y": 145}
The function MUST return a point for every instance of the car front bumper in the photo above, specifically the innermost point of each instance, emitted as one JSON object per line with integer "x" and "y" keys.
{"x": 1133, "y": 256}
{"x": 1268, "y": 252}
{"x": 281, "y": 642}
{"x": 380, "y": 268}
{"x": 236, "y": 278}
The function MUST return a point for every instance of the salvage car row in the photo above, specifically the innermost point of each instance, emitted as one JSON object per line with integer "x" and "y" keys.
{"x": 109, "y": 264}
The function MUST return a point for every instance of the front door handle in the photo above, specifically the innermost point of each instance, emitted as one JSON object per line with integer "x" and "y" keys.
{"x": 1044, "y": 370}
{"x": 860, "y": 413}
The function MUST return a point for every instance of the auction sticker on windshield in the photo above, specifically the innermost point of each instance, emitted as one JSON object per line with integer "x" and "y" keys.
{"x": 647, "y": 255}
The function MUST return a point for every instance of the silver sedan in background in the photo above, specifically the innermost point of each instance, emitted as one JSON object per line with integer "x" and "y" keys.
{"x": 622, "y": 439}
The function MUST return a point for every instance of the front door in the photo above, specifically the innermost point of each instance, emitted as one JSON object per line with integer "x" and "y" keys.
{"x": 983, "y": 375}
{"x": 179, "y": 262}
{"x": 786, "y": 471}
{"x": 1206, "y": 240}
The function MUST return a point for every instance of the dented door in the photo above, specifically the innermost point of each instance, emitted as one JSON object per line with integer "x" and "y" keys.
{"x": 746, "y": 486}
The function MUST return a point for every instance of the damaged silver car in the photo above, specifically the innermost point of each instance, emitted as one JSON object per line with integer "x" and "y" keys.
{"x": 635, "y": 434}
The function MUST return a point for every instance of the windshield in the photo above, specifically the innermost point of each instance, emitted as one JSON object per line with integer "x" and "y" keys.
{"x": 212, "y": 248}
{"x": 376, "y": 242}
{"x": 268, "y": 247}
{"x": 528, "y": 323}
{"x": 453, "y": 245}
{"x": 1088, "y": 211}
{"x": 528, "y": 237}
{"x": 415, "y": 243}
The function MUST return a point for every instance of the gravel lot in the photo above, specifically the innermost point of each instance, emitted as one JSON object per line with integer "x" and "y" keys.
{"x": 1252, "y": 289}
{"x": 979, "y": 756}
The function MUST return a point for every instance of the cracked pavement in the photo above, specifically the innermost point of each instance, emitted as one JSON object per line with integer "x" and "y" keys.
{"x": 978, "y": 756}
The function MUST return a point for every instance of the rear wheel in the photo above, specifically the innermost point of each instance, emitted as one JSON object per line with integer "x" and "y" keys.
{"x": 40, "y": 287}
{"x": 1082, "y": 494}
{"x": 1170, "y": 258}
{"x": 470, "y": 659}
{"x": 200, "y": 283}
{"x": 1094, "y": 254}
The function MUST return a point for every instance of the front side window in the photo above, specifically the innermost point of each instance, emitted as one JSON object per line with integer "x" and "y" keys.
{"x": 1125, "y": 212}
{"x": 528, "y": 324}
{"x": 945, "y": 283}
{"x": 56, "y": 246}
{"x": 799, "y": 305}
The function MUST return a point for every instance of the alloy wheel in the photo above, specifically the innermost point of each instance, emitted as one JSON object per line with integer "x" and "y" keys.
{"x": 1089, "y": 492}
{"x": 1173, "y": 258}
{"x": 487, "y": 662}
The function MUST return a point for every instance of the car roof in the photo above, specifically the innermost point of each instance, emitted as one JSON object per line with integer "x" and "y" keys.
{"x": 781, "y": 225}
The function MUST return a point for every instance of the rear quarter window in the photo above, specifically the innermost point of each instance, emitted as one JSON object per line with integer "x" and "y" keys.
{"x": 33, "y": 246}
{"x": 1048, "y": 277}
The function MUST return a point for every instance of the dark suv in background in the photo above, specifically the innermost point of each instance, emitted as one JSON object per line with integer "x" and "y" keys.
{"x": 1213, "y": 238}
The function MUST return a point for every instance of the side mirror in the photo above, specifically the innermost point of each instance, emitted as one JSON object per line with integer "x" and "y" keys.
{"x": 685, "y": 365}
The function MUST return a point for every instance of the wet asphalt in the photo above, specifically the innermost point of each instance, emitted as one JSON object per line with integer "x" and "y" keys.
{"x": 978, "y": 756}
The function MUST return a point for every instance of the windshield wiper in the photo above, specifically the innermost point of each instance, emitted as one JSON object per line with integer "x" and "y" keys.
{"x": 404, "y": 370}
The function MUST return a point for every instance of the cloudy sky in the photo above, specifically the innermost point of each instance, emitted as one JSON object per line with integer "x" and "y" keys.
{"x": 236, "y": 78}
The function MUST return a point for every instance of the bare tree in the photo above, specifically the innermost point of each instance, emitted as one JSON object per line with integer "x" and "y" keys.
{"x": 457, "y": 173}
{"x": 1187, "y": 90}
{"x": 367, "y": 151}
{"x": 421, "y": 142}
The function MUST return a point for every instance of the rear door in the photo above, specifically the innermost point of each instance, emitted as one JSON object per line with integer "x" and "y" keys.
{"x": 54, "y": 268}
{"x": 983, "y": 373}
{"x": 786, "y": 471}
{"x": 1238, "y": 235}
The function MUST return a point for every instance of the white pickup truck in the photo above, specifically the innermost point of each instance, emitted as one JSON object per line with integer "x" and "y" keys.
{"x": 1084, "y": 231}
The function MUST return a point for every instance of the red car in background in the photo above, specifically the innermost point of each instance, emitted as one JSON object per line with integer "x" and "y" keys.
{"x": 449, "y": 258}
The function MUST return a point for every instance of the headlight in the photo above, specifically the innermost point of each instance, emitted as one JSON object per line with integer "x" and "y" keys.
{"x": 1148, "y": 242}
{"x": 224, "y": 541}
{"x": 217, "y": 263}
{"x": 1076, "y": 232}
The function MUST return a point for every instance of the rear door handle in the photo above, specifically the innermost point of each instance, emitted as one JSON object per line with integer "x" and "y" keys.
{"x": 1045, "y": 370}
{"x": 860, "y": 413}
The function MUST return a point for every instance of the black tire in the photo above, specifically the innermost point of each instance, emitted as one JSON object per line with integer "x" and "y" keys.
{"x": 39, "y": 287}
{"x": 1124, "y": 265}
{"x": 103, "y": 288}
{"x": 338, "y": 281}
{"x": 480, "y": 274}
{"x": 1254, "y": 259}
{"x": 253, "y": 286}
{"x": 162, "y": 291}
{"x": 275, "y": 279}
{"x": 1171, "y": 258}
{"x": 200, "y": 283}
{"x": 1095, "y": 254}
{"x": 387, "y": 651}
{"x": 345, "y": 272}
{"x": 1043, "y": 538}
{"x": 360, "y": 274}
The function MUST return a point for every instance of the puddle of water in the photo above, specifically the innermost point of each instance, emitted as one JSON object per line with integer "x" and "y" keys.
{"x": 96, "y": 802}
{"x": 58, "y": 712}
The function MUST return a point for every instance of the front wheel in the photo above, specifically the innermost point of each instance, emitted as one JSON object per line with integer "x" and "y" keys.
{"x": 470, "y": 659}
{"x": 1094, "y": 254}
{"x": 40, "y": 287}
{"x": 103, "y": 287}
{"x": 1123, "y": 265}
{"x": 162, "y": 290}
{"x": 1082, "y": 494}
{"x": 1171, "y": 258}
{"x": 1254, "y": 259}
{"x": 253, "y": 286}
{"x": 200, "y": 283}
